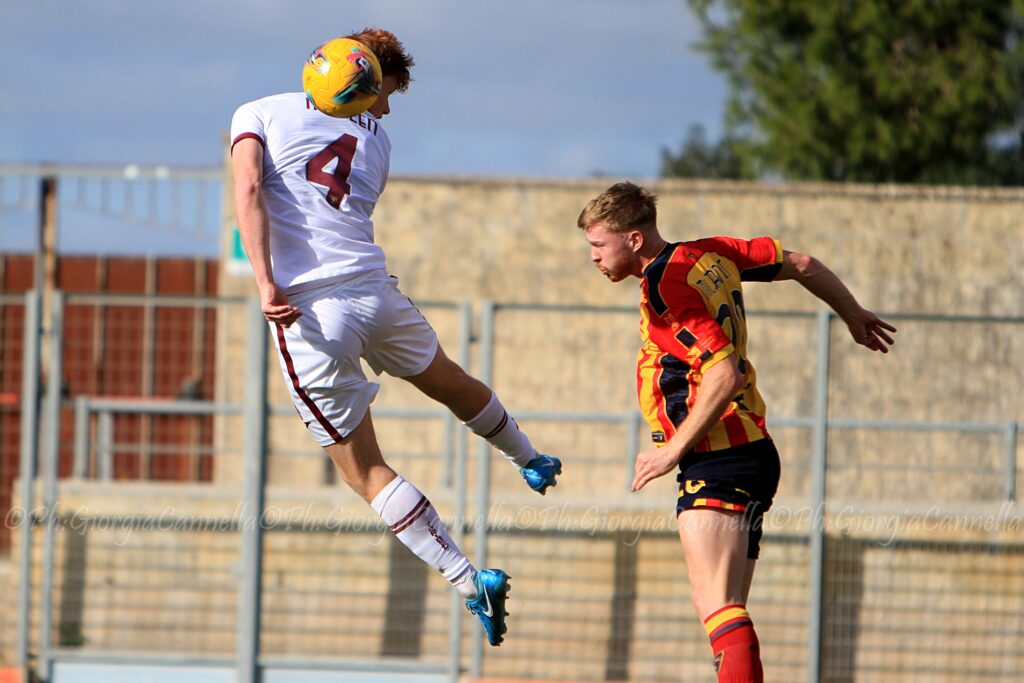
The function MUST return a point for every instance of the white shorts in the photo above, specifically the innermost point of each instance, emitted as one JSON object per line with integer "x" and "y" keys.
{"x": 362, "y": 316}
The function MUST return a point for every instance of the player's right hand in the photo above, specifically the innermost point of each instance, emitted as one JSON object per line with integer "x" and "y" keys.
{"x": 275, "y": 306}
{"x": 867, "y": 329}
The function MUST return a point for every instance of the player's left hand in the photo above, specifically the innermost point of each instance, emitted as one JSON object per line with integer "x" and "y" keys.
{"x": 652, "y": 464}
{"x": 867, "y": 329}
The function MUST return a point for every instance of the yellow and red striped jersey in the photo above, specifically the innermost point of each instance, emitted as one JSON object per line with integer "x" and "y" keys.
{"x": 691, "y": 317}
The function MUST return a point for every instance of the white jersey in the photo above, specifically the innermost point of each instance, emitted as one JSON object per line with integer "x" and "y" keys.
{"x": 322, "y": 177}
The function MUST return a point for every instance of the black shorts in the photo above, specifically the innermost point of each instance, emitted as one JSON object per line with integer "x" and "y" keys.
{"x": 743, "y": 478}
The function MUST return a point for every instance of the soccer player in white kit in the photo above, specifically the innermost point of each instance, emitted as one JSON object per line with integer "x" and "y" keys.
{"x": 306, "y": 185}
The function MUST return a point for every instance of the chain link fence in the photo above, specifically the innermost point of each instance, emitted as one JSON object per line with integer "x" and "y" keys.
{"x": 181, "y": 522}
{"x": 182, "y": 518}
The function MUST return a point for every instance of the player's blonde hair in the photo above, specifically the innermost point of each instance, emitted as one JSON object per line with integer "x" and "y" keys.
{"x": 394, "y": 60}
{"x": 622, "y": 207}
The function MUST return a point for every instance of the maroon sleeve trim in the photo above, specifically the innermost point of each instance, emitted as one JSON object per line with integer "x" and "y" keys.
{"x": 243, "y": 136}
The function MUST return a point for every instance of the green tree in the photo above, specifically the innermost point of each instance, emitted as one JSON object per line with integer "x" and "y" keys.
{"x": 872, "y": 90}
{"x": 700, "y": 159}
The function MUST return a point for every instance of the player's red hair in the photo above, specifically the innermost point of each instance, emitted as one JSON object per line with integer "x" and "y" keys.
{"x": 622, "y": 207}
{"x": 394, "y": 60}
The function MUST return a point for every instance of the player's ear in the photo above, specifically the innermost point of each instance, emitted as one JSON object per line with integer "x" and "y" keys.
{"x": 635, "y": 240}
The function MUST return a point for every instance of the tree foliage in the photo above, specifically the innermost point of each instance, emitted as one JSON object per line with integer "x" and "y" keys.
{"x": 699, "y": 158}
{"x": 871, "y": 90}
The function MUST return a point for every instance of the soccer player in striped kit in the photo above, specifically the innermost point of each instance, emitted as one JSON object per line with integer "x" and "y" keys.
{"x": 698, "y": 391}
{"x": 306, "y": 185}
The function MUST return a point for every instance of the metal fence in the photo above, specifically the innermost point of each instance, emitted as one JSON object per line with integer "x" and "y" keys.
{"x": 202, "y": 528}
{"x": 176, "y": 208}
{"x": 897, "y": 511}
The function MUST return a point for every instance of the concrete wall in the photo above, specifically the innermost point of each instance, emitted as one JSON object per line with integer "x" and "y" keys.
{"x": 927, "y": 250}
{"x": 916, "y": 250}
{"x": 920, "y": 250}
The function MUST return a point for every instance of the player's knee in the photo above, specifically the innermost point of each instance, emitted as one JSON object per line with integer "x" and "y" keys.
{"x": 699, "y": 600}
{"x": 364, "y": 481}
{"x": 707, "y": 600}
{"x": 452, "y": 382}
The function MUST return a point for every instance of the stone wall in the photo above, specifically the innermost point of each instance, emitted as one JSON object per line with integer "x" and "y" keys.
{"x": 911, "y": 250}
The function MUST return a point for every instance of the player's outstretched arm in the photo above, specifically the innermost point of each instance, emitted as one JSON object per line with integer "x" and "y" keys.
{"x": 865, "y": 327}
{"x": 721, "y": 382}
{"x": 254, "y": 228}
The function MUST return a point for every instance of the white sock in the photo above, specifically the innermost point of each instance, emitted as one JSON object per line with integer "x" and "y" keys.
{"x": 464, "y": 584}
{"x": 415, "y": 522}
{"x": 494, "y": 424}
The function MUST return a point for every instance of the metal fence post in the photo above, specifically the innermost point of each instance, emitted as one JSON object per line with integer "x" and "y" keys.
{"x": 250, "y": 559}
{"x": 29, "y": 448}
{"x": 456, "y": 479}
{"x": 50, "y": 472}
{"x": 80, "y": 468}
{"x": 632, "y": 437}
{"x": 451, "y": 424}
{"x": 483, "y": 478}
{"x": 819, "y": 465}
{"x": 1010, "y": 488}
{"x": 105, "y": 445}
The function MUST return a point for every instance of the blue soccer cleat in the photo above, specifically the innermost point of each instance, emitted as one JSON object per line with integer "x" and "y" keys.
{"x": 489, "y": 604}
{"x": 540, "y": 473}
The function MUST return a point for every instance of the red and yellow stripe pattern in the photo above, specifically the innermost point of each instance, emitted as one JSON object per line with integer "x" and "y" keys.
{"x": 692, "y": 317}
{"x": 720, "y": 504}
{"x": 726, "y": 619}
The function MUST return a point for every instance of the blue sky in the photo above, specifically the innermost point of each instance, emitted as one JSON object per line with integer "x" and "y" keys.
{"x": 542, "y": 88}
{"x": 559, "y": 88}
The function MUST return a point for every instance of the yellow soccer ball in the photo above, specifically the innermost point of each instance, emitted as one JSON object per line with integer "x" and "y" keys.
{"x": 341, "y": 78}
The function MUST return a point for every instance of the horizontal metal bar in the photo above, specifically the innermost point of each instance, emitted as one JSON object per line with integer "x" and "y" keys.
{"x": 799, "y": 421}
{"x": 584, "y": 308}
{"x": 164, "y": 521}
{"x": 984, "y": 427}
{"x": 346, "y": 664}
{"x": 914, "y": 317}
{"x": 177, "y": 301}
{"x": 12, "y": 299}
{"x": 166, "y": 450}
{"x": 805, "y": 422}
{"x": 916, "y": 469}
{"x": 556, "y": 416}
{"x": 953, "y": 318}
{"x": 127, "y": 172}
{"x": 624, "y": 503}
{"x": 564, "y": 308}
{"x": 407, "y": 413}
{"x": 120, "y": 657}
{"x": 99, "y": 404}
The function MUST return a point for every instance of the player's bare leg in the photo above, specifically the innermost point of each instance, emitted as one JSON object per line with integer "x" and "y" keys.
{"x": 715, "y": 544}
{"x": 479, "y": 408}
{"x": 748, "y": 578}
{"x": 359, "y": 461}
{"x": 415, "y": 522}
{"x": 447, "y": 383}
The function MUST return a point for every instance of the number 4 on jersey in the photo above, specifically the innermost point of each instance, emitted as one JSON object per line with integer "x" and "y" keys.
{"x": 343, "y": 149}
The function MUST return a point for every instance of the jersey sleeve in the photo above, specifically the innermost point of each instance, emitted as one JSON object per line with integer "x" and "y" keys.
{"x": 696, "y": 337}
{"x": 247, "y": 123}
{"x": 759, "y": 259}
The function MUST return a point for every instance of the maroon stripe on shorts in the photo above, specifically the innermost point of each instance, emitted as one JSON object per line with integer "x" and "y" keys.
{"x": 328, "y": 427}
